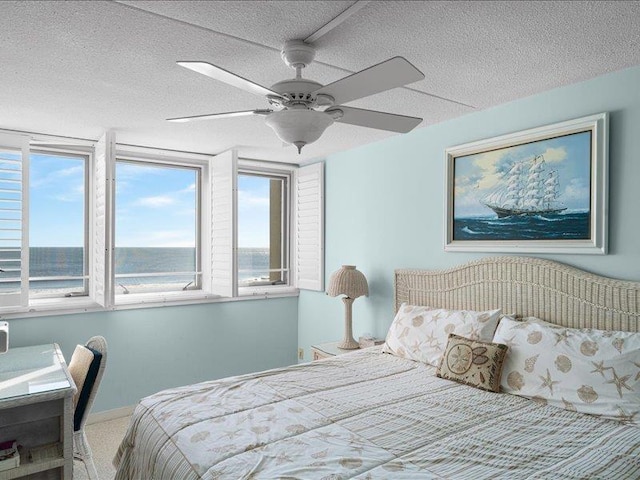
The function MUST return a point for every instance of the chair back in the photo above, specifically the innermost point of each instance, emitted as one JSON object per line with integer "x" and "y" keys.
{"x": 86, "y": 368}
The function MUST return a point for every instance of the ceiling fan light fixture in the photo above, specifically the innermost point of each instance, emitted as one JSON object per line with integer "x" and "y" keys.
{"x": 299, "y": 127}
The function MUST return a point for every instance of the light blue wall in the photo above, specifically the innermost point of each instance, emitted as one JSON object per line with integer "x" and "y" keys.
{"x": 156, "y": 348}
{"x": 384, "y": 201}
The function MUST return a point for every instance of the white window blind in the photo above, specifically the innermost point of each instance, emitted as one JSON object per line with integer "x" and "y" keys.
{"x": 224, "y": 193}
{"x": 309, "y": 227}
{"x": 14, "y": 222}
{"x": 104, "y": 168}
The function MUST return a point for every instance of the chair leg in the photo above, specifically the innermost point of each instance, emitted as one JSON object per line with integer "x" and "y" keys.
{"x": 82, "y": 452}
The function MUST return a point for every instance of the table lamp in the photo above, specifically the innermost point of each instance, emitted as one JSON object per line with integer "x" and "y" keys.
{"x": 352, "y": 283}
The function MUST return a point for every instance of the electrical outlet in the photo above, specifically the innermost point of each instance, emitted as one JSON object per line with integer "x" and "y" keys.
{"x": 301, "y": 354}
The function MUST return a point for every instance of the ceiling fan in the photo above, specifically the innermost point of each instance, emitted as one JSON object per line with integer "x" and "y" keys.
{"x": 303, "y": 109}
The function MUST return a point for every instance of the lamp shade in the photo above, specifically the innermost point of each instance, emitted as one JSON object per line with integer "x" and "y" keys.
{"x": 348, "y": 281}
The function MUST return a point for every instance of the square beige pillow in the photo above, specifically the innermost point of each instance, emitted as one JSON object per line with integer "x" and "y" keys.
{"x": 474, "y": 363}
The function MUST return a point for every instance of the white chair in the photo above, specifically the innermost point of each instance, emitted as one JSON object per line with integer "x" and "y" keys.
{"x": 86, "y": 368}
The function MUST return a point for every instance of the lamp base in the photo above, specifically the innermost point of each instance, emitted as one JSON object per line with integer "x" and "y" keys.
{"x": 348, "y": 344}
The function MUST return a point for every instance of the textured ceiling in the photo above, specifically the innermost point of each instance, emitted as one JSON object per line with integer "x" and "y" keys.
{"x": 76, "y": 68}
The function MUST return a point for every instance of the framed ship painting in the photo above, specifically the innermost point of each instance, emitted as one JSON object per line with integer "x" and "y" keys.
{"x": 542, "y": 190}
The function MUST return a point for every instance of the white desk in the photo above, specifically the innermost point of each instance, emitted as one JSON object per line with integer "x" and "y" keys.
{"x": 36, "y": 410}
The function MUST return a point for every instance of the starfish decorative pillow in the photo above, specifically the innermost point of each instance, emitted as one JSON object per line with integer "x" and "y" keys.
{"x": 584, "y": 370}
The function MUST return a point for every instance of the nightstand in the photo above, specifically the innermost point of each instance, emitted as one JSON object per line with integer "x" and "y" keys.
{"x": 326, "y": 350}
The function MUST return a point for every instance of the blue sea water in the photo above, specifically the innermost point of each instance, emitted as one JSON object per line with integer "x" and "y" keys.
{"x": 563, "y": 226}
{"x": 69, "y": 261}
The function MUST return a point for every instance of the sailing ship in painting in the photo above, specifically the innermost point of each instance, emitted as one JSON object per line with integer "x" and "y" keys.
{"x": 525, "y": 204}
{"x": 529, "y": 188}
{"x": 535, "y": 190}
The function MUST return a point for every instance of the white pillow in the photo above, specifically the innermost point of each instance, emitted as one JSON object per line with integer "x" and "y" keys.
{"x": 421, "y": 333}
{"x": 585, "y": 370}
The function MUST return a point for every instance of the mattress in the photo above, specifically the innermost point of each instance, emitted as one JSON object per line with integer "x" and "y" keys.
{"x": 365, "y": 415}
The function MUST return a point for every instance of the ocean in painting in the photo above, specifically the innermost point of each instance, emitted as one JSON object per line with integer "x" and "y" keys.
{"x": 253, "y": 263}
{"x": 562, "y": 226}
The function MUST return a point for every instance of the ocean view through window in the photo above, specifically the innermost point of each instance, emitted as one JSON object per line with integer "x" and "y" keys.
{"x": 157, "y": 220}
{"x": 156, "y": 228}
{"x": 67, "y": 261}
{"x": 115, "y": 228}
{"x": 58, "y": 224}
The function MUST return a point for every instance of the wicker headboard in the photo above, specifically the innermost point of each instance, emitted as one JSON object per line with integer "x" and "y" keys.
{"x": 545, "y": 289}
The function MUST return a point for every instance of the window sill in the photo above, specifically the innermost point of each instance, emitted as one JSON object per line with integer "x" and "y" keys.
{"x": 52, "y": 306}
{"x": 149, "y": 300}
{"x": 143, "y": 299}
{"x": 65, "y": 306}
{"x": 267, "y": 291}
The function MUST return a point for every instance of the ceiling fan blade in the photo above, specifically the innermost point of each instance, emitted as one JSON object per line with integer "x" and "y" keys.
{"x": 227, "y": 77}
{"x": 244, "y": 113}
{"x": 373, "y": 119}
{"x": 389, "y": 74}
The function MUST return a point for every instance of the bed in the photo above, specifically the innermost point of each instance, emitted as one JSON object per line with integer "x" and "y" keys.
{"x": 374, "y": 415}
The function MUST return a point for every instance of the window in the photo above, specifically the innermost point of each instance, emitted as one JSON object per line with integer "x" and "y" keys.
{"x": 157, "y": 220}
{"x": 116, "y": 225}
{"x": 263, "y": 251}
{"x": 58, "y": 259}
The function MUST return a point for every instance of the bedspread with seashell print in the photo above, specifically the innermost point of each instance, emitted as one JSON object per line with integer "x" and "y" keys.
{"x": 365, "y": 415}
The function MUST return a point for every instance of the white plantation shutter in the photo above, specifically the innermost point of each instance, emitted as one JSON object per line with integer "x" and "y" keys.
{"x": 309, "y": 227}
{"x": 102, "y": 241}
{"x": 224, "y": 194}
{"x": 14, "y": 221}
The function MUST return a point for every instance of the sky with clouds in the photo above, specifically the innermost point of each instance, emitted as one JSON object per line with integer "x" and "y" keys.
{"x": 155, "y": 206}
{"x": 479, "y": 174}
{"x": 56, "y": 201}
{"x": 253, "y": 211}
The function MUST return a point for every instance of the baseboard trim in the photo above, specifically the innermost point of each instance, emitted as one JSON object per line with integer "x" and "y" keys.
{"x": 110, "y": 414}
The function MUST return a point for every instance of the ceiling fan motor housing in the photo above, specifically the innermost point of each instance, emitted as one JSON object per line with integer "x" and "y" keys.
{"x": 299, "y": 91}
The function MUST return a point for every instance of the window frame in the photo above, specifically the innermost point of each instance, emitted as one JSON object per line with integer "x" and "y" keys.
{"x": 50, "y": 305}
{"x": 87, "y": 155}
{"x": 286, "y": 172}
{"x": 161, "y": 158}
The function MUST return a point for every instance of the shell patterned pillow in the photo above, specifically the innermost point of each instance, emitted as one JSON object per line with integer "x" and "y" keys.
{"x": 474, "y": 363}
{"x": 584, "y": 370}
{"x": 421, "y": 333}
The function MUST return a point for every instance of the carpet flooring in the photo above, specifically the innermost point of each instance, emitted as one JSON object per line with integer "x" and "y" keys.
{"x": 104, "y": 439}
